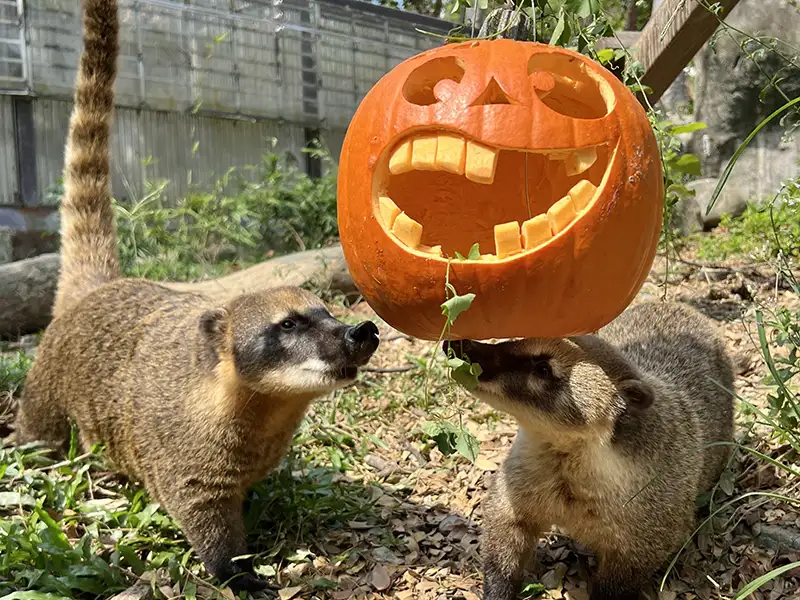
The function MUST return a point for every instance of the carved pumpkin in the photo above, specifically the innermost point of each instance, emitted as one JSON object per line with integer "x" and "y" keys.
{"x": 536, "y": 153}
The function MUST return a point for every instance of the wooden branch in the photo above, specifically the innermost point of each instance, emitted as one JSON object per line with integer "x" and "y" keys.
{"x": 27, "y": 287}
{"x": 676, "y": 31}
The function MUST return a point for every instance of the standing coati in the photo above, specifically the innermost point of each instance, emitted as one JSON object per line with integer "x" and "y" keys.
{"x": 612, "y": 443}
{"x": 194, "y": 400}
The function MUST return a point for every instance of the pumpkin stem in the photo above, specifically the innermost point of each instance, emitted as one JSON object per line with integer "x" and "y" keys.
{"x": 509, "y": 22}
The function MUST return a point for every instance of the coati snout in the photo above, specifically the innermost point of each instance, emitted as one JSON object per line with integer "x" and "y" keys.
{"x": 563, "y": 381}
{"x": 286, "y": 341}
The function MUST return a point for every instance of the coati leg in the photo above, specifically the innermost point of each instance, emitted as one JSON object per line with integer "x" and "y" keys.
{"x": 619, "y": 577}
{"x": 508, "y": 543}
{"x": 41, "y": 418}
{"x": 214, "y": 527}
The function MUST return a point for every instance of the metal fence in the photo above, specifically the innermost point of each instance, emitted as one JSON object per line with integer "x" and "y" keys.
{"x": 230, "y": 72}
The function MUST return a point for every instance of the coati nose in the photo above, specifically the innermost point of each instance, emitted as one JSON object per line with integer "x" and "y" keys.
{"x": 363, "y": 332}
{"x": 363, "y": 339}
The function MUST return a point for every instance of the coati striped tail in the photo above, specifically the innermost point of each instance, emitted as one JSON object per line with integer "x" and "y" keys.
{"x": 88, "y": 227}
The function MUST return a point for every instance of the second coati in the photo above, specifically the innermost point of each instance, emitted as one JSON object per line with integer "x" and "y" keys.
{"x": 196, "y": 401}
{"x": 612, "y": 446}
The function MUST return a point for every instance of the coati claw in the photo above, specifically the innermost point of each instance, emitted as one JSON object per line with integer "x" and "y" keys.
{"x": 247, "y": 582}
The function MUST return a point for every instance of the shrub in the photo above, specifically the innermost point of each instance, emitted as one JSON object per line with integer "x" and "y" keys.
{"x": 760, "y": 232}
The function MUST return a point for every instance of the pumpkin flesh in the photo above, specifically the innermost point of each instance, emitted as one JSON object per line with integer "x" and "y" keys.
{"x": 461, "y": 202}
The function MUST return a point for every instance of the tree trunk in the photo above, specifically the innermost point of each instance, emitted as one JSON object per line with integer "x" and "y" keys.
{"x": 27, "y": 287}
{"x": 631, "y": 16}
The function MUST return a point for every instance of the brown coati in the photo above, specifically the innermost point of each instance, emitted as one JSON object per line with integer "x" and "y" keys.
{"x": 194, "y": 400}
{"x": 612, "y": 443}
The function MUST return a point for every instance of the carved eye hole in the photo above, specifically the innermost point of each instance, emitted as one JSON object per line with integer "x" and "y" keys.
{"x": 565, "y": 85}
{"x": 434, "y": 81}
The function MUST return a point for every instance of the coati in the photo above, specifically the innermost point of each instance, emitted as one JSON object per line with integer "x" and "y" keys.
{"x": 194, "y": 400}
{"x": 612, "y": 443}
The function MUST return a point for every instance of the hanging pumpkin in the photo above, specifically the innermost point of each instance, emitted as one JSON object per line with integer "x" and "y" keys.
{"x": 535, "y": 153}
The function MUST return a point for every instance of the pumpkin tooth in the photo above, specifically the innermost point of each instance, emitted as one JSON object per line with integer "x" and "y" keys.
{"x": 400, "y": 161}
{"x": 451, "y": 154}
{"x": 507, "y": 239}
{"x": 536, "y": 231}
{"x": 481, "y": 163}
{"x": 561, "y": 214}
{"x": 423, "y": 155}
{"x": 580, "y": 160}
{"x": 436, "y": 250}
{"x": 407, "y": 230}
{"x": 582, "y": 193}
{"x": 388, "y": 211}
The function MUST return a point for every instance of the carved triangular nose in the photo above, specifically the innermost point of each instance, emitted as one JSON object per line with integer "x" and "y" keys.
{"x": 493, "y": 94}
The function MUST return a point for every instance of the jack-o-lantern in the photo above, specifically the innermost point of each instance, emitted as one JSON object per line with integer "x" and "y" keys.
{"x": 536, "y": 153}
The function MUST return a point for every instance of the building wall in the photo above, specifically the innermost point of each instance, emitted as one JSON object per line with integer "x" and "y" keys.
{"x": 8, "y": 154}
{"x": 203, "y": 86}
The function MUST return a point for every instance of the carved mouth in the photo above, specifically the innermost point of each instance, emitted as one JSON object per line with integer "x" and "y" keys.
{"x": 439, "y": 193}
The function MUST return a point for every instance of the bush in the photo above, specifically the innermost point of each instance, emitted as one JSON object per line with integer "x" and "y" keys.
{"x": 275, "y": 209}
{"x": 760, "y": 232}
{"x": 13, "y": 370}
{"x": 249, "y": 214}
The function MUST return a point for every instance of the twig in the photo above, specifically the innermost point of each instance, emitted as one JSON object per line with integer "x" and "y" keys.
{"x": 388, "y": 369}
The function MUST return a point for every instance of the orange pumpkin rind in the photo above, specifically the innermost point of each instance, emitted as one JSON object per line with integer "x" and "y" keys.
{"x": 534, "y": 142}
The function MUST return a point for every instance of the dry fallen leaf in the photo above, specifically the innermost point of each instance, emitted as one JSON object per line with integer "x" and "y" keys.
{"x": 289, "y": 592}
{"x": 380, "y": 578}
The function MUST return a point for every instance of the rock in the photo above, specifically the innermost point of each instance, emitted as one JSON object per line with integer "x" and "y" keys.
{"x": 686, "y": 217}
{"x": 731, "y": 201}
{"x": 729, "y": 100}
{"x": 780, "y": 539}
{"x": 6, "y": 245}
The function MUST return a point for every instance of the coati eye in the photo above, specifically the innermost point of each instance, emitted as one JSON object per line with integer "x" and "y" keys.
{"x": 288, "y": 324}
{"x": 542, "y": 369}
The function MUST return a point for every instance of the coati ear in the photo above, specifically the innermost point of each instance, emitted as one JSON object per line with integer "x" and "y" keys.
{"x": 214, "y": 325}
{"x": 638, "y": 395}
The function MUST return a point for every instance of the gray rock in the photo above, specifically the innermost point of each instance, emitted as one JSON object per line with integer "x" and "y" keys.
{"x": 733, "y": 94}
{"x": 731, "y": 201}
{"x": 6, "y": 245}
{"x": 686, "y": 217}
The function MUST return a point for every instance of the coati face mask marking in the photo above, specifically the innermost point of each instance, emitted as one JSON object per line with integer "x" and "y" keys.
{"x": 285, "y": 342}
{"x": 555, "y": 381}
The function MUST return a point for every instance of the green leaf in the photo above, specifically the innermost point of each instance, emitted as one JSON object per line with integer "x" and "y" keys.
{"x": 689, "y": 164}
{"x": 464, "y": 373}
{"x": 467, "y": 445}
{"x": 558, "y": 30}
{"x": 34, "y": 596}
{"x": 605, "y": 55}
{"x": 688, "y": 128}
{"x": 456, "y": 305}
{"x": 443, "y": 434}
{"x": 190, "y": 591}
{"x": 474, "y": 252}
{"x": 757, "y": 583}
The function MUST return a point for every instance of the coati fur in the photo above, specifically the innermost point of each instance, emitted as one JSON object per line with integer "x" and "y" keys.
{"x": 612, "y": 443}
{"x": 196, "y": 401}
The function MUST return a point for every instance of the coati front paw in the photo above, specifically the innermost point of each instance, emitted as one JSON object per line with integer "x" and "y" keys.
{"x": 243, "y": 581}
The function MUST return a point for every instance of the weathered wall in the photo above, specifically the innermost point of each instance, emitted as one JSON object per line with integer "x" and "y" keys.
{"x": 203, "y": 85}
